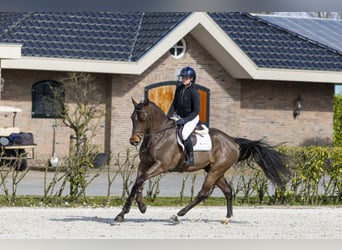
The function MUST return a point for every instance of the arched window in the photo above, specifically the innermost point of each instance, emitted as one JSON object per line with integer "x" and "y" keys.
{"x": 47, "y": 99}
{"x": 179, "y": 49}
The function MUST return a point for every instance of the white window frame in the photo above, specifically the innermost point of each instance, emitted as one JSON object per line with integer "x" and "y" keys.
{"x": 176, "y": 47}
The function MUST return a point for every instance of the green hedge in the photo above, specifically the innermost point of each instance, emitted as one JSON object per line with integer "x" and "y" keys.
{"x": 316, "y": 179}
{"x": 317, "y": 175}
{"x": 338, "y": 120}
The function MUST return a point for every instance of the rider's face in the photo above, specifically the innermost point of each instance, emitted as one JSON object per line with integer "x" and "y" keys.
{"x": 186, "y": 80}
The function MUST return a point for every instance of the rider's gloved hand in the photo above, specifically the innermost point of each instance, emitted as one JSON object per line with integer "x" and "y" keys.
{"x": 181, "y": 122}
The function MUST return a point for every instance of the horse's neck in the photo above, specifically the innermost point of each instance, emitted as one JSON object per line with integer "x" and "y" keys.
{"x": 159, "y": 121}
{"x": 160, "y": 127}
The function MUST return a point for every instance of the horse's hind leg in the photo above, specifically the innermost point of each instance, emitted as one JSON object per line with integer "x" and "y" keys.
{"x": 209, "y": 182}
{"x": 228, "y": 193}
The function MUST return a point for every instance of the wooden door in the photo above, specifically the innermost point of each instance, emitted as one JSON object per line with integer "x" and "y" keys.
{"x": 162, "y": 95}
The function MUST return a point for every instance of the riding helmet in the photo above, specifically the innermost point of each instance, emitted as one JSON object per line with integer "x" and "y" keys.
{"x": 188, "y": 71}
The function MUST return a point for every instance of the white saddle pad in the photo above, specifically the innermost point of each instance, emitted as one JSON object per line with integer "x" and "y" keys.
{"x": 203, "y": 142}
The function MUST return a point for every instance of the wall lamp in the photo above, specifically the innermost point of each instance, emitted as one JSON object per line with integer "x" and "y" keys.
{"x": 298, "y": 106}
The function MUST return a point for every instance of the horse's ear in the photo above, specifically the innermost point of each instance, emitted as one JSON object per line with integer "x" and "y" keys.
{"x": 134, "y": 102}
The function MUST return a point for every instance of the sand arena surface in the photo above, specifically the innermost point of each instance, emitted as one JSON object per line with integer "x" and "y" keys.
{"x": 200, "y": 223}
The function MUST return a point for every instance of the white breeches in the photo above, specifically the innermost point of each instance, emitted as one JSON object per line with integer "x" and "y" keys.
{"x": 189, "y": 127}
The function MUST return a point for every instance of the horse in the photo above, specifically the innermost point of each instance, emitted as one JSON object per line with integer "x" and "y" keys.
{"x": 160, "y": 153}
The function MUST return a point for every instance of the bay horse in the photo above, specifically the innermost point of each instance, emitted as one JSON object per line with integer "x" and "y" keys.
{"x": 160, "y": 153}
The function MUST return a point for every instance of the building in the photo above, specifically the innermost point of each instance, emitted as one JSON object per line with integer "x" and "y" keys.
{"x": 255, "y": 68}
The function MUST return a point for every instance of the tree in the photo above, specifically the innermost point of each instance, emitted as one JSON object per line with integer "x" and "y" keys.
{"x": 82, "y": 115}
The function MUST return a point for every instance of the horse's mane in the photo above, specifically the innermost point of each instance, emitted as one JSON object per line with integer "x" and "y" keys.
{"x": 156, "y": 108}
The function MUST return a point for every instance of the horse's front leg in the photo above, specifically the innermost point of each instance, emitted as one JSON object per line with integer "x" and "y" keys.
{"x": 138, "y": 182}
{"x": 154, "y": 170}
{"x": 139, "y": 197}
{"x": 139, "y": 194}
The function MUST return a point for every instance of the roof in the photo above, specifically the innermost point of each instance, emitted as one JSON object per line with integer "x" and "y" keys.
{"x": 129, "y": 42}
{"x": 270, "y": 46}
{"x": 86, "y": 35}
{"x": 327, "y": 32}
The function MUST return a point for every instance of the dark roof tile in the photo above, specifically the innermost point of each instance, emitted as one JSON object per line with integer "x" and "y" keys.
{"x": 154, "y": 26}
{"x": 256, "y": 36}
{"x": 125, "y": 36}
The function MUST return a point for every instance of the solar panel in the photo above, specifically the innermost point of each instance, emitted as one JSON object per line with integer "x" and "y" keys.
{"x": 325, "y": 31}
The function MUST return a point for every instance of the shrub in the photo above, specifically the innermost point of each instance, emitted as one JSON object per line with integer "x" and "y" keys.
{"x": 317, "y": 173}
{"x": 338, "y": 120}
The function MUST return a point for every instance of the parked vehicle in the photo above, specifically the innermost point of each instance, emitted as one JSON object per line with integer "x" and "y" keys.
{"x": 15, "y": 146}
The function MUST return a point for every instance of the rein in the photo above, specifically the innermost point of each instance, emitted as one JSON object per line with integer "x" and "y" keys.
{"x": 152, "y": 134}
{"x": 160, "y": 131}
{"x": 140, "y": 133}
{"x": 155, "y": 133}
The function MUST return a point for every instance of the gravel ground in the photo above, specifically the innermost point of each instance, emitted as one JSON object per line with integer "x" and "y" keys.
{"x": 200, "y": 223}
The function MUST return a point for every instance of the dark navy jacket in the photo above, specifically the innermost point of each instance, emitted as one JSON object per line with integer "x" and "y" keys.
{"x": 186, "y": 102}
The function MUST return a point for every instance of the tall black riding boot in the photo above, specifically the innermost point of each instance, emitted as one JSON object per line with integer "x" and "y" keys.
{"x": 190, "y": 152}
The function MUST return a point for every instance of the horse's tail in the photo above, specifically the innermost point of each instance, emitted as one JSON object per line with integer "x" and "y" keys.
{"x": 271, "y": 161}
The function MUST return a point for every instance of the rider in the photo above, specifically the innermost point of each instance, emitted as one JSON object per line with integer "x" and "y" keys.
{"x": 186, "y": 104}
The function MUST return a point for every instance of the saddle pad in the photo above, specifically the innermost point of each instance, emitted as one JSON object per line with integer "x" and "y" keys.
{"x": 203, "y": 143}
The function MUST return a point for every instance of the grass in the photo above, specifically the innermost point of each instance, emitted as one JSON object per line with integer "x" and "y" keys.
{"x": 101, "y": 201}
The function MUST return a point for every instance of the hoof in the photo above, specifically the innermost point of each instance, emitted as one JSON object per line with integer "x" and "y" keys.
{"x": 226, "y": 221}
{"x": 118, "y": 218}
{"x": 174, "y": 218}
{"x": 142, "y": 208}
{"x": 181, "y": 213}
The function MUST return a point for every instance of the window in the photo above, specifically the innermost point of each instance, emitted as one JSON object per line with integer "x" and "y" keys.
{"x": 179, "y": 49}
{"x": 47, "y": 99}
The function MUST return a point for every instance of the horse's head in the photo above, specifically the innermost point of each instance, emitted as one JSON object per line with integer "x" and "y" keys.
{"x": 139, "y": 119}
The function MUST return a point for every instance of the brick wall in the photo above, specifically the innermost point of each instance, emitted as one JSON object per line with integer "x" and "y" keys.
{"x": 224, "y": 91}
{"x": 17, "y": 93}
{"x": 265, "y": 109}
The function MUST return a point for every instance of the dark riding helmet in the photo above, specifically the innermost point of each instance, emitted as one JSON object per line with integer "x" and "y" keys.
{"x": 188, "y": 71}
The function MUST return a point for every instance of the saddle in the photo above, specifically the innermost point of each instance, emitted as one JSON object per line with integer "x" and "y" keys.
{"x": 200, "y": 137}
{"x": 200, "y": 129}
